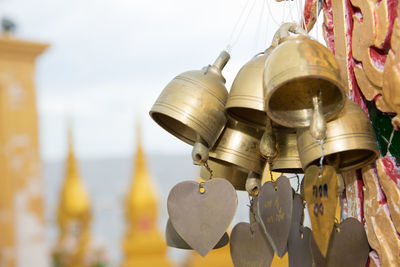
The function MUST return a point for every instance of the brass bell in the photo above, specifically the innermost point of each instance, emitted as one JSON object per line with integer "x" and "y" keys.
{"x": 234, "y": 175}
{"x": 298, "y": 70}
{"x": 350, "y": 141}
{"x": 192, "y": 105}
{"x": 287, "y": 159}
{"x": 246, "y": 98}
{"x": 239, "y": 145}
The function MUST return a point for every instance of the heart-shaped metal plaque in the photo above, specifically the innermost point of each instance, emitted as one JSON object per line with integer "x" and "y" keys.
{"x": 176, "y": 241}
{"x": 320, "y": 193}
{"x": 348, "y": 247}
{"x": 201, "y": 212}
{"x": 274, "y": 205}
{"x": 299, "y": 237}
{"x": 249, "y": 246}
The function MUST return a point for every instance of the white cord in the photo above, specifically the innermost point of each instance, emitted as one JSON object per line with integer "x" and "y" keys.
{"x": 229, "y": 46}
{"x": 244, "y": 24}
{"x": 258, "y": 31}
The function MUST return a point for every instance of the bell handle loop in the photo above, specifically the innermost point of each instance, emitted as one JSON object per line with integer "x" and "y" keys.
{"x": 284, "y": 31}
{"x": 258, "y": 54}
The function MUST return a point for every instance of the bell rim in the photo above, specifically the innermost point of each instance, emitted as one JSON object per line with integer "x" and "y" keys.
{"x": 352, "y": 144}
{"x": 185, "y": 119}
{"x": 301, "y": 124}
{"x": 234, "y": 110}
{"x": 239, "y": 160}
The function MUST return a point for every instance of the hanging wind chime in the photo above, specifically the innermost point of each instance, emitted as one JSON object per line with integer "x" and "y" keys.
{"x": 286, "y": 111}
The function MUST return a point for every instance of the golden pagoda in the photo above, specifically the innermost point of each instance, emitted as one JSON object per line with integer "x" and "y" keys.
{"x": 73, "y": 216}
{"x": 143, "y": 244}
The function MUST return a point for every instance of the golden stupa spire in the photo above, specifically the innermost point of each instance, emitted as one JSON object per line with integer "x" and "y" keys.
{"x": 143, "y": 244}
{"x": 73, "y": 215}
{"x": 74, "y": 200}
{"x": 141, "y": 201}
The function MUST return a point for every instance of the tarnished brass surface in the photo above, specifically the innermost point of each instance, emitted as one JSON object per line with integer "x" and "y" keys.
{"x": 350, "y": 137}
{"x": 246, "y": 97}
{"x": 231, "y": 173}
{"x": 239, "y": 145}
{"x": 193, "y": 104}
{"x": 287, "y": 159}
{"x": 296, "y": 71}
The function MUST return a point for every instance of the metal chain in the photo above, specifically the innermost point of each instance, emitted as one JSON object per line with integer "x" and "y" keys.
{"x": 208, "y": 169}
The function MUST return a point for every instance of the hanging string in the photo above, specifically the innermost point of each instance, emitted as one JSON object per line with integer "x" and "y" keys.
{"x": 267, "y": 27}
{"x": 379, "y": 133}
{"x": 390, "y": 141}
{"x": 236, "y": 25}
{"x": 258, "y": 31}
{"x": 284, "y": 12}
{"x": 290, "y": 12}
{"x": 232, "y": 42}
{"x": 272, "y": 16}
{"x": 302, "y": 19}
{"x": 316, "y": 21}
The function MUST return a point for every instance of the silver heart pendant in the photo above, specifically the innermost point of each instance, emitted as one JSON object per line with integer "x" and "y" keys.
{"x": 275, "y": 211}
{"x": 299, "y": 237}
{"x": 201, "y": 212}
{"x": 249, "y": 246}
{"x": 348, "y": 246}
{"x": 174, "y": 240}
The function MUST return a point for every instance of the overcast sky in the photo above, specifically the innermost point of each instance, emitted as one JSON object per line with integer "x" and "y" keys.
{"x": 110, "y": 59}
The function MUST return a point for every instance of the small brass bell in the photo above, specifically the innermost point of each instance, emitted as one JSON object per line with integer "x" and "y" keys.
{"x": 350, "y": 141}
{"x": 192, "y": 105}
{"x": 239, "y": 145}
{"x": 287, "y": 159}
{"x": 235, "y": 176}
{"x": 238, "y": 148}
{"x": 298, "y": 70}
{"x": 246, "y": 98}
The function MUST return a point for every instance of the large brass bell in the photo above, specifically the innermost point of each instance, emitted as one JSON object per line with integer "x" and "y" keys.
{"x": 246, "y": 98}
{"x": 192, "y": 105}
{"x": 234, "y": 175}
{"x": 350, "y": 141}
{"x": 297, "y": 71}
{"x": 287, "y": 159}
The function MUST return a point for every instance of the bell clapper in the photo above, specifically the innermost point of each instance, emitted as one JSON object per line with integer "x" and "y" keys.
{"x": 318, "y": 122}
{"x": 200, "y": 152}
{"x": 253, "y": 184}
{"x": 268, "y": 142}
{"x": 340, "y": 184}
